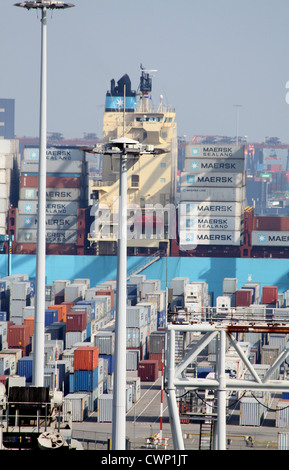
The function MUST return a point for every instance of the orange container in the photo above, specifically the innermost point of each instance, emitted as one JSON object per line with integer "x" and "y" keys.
{"x": 61, "y": 311}
{"x": 30, "y": 322}
{"x": 86, "y": 358}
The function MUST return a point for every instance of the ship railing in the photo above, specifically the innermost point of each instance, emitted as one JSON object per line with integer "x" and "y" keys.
{"x": 272, "y": 316}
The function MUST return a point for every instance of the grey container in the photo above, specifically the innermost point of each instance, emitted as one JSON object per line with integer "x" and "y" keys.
{"x": 53, "y": 166}
{"x": 282, "y": 414}
{"x": 283, "y": 441}
{"x": 213, "y": 164}
{"x": 178, "y": 285}
{"x": 150, "y": 285}
{"x": 215, "y": 151}
{"x": 74, "y": 292}
{"x": 20, "y": 290}
{"x": 78, "y": 404}
{"x": 135, "y": 317}
{"x": 105, "y": 341}
{"x": 132, "y": 359}
{"x": 230, "y": 285}
{"x": 59, "y": 286}
{"x": 105, "y": 408}
{"x": 251, "y": 411}
{"x": 55, "y": 154}
{"x": 212, "y": 179}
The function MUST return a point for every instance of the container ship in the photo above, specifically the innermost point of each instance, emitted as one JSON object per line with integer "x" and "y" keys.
{"x": 237, "y": 194}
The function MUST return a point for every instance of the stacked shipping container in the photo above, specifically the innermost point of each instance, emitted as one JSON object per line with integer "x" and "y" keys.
{"x": 66, "y": 194}
{"x": 212, "y": 196}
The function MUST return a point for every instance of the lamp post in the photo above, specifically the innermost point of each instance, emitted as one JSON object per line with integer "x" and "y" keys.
{"x": 38, "y": 347}
{"x": 123, "y": 148}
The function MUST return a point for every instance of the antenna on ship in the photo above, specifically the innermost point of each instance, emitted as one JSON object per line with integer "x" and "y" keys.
{"x": 145, "y": 86}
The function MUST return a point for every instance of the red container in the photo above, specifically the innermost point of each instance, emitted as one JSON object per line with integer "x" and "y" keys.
{"x": 156, "y": 357}
{"x": 76, "y": 321}
{"x": 244, "y": 297}
{"x": 51, "y": 182}
{"x": 148, "y": 370}
{"x": 86, "y": 358}
{"x": 18, "y": 336}
{"x": 271, "y": 223}
{"x": 270, "y": 295}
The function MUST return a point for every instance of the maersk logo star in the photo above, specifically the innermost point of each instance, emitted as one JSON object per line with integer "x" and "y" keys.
{"x": 190, "y": 179}
{"x": 28, "y": 208}
{"x": 195, "y": 151}
{"x": 33, "y": 155}
{"x": 261, "y": 238}
{"x": 194, "y": 165}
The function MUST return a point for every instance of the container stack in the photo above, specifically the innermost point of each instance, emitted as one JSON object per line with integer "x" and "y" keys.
{"x": 20, "y": 298}
{"x": 212, "y": 196}
{"x": 66, "y": 194}
{"x": 9, "y": 167}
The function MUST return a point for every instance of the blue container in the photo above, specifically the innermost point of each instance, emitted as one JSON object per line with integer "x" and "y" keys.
{"x": 71, "y": 383}
{"x": 85, "y": 380}
{"x": 25, "y": 367}
{"x": 110, "y": 362}
{"x": 88, "y": 332}
{"x": 51, "y": 316}
{"x": 3, "y": 316}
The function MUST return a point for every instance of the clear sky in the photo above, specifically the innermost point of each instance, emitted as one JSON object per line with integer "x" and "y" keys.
{"x": 209, "y": 56}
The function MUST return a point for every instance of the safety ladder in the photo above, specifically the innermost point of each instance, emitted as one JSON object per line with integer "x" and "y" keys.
{"x": 206, "y": 434}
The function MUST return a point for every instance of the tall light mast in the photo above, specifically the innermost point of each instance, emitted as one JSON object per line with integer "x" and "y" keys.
{"x": 38, "y": 346}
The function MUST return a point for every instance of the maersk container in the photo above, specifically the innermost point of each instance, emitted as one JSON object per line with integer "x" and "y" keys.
{"x": 198, "y": 194}
{"x": 76, "y": 406}
{"x": 212, "y": 179}
{"x": 55, "y": 184}
{"x": 52, "y": 236}
{"x": 270, "y": 238}
{"x": 192, "y": 238}
{"x": 70, "y": 168}
{"x": 64, "y": 155}
{"x": 196, "y": 165}
{"x": 64, "y": 208}
{"x": 209, "y": 222}
{"x": 215, "y": 151}
{"x": 53, "y": 222}
{"x": 65, "y": 194}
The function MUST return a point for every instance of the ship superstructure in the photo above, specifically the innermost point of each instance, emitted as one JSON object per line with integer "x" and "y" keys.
{"x": 151, "y": 187}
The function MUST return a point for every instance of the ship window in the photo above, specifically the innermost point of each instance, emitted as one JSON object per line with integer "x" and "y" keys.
{"x": 135, "y": 181}
{"x": 163, "y": 180}
{"x": 163, "y": 165}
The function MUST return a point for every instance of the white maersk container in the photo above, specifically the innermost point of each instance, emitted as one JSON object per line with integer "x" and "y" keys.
{"x": 214, "y": 151}
{"x": 220, "y": 194}
{"x": 55, "y": 154}
{"x": 194, "y": 238}
{"x": 210, "y": 222}
{"x": 213, "y": 164}
{"x": 54, "y": 222}
{"x": 52, "y": 194}
{"x": 64, "y": 208}
{"x": 52, "y": 236}
{"x": 212, "y": 179}
{"x": 270, "y": 238}
{"x": 75, "y": 167}
{"x": 217, "y": 209}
